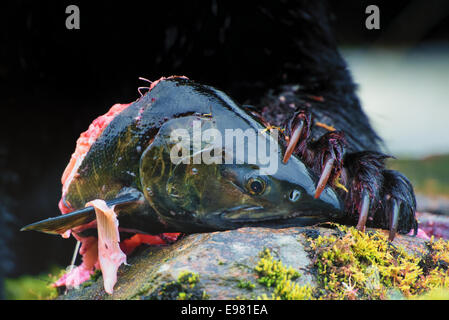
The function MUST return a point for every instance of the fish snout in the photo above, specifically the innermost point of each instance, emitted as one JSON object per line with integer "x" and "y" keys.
{"x": 299, "y": 185}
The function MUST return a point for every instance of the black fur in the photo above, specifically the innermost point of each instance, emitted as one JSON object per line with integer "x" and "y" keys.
{"x": 396, "y": 186}
{"x": 316, "y": 80}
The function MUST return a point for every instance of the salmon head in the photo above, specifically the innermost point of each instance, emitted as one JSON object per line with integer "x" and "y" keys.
{"x": 187, "y": 158}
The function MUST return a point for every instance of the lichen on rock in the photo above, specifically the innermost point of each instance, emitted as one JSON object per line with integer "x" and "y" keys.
{"x": 365, "y": 265}
{"x": 292, "y": 263}
{"x": 185, "y": 288}
{"x": 272, "y": 273}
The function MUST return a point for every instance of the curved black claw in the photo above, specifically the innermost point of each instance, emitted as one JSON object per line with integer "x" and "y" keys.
{"x": 328, "y": 158}
{"x": 297, "y": 133}
{"x": 364, "y": 172}
{"x": 398, "y": 205}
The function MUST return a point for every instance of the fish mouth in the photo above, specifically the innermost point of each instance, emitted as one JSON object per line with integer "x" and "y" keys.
{"x": 258, "y": 215}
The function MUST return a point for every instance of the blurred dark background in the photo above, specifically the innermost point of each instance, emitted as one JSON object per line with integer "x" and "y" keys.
{"x": 55, "y": 81}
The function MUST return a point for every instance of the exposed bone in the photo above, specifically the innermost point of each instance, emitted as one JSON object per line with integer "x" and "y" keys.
{"x": 140, "y": 88}
{"x": 75, "y": 254}
{"x": 144, "y": 79}
{"x": 75, "y": 276}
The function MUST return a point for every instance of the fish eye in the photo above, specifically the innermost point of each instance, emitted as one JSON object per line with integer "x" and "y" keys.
{"x": 294, "y": 195}
{"x": 255, "y": 186}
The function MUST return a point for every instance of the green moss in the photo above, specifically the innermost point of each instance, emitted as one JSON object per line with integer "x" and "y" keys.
{"x": 184, "y": 288}
{"x": 188, "y": 278}
{"x": 361, "y": 265}
{"x": 272, "y": 273}
{"x": 33, "y": 287}
{"x": 248, "y": 285}
{"x": 183, "y": 296}
{"x": 434, "y": 294}
{"x": 94, "y": 277}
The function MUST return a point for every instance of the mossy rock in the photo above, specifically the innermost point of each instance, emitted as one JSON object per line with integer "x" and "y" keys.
{"x": 262, "y": 263}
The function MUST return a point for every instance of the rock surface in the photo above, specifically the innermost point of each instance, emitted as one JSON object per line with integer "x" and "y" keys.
{"x": 435, "y": 204}
{"x": 221, "y": 259}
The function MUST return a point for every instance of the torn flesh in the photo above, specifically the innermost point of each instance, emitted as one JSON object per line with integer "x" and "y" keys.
{"x": 87, "y": 139}
{"x": 104, "y": 253}
{"x": 83, "y": 144}
{"x": 81, "y": 273}
{"x": 110, "y": 256}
